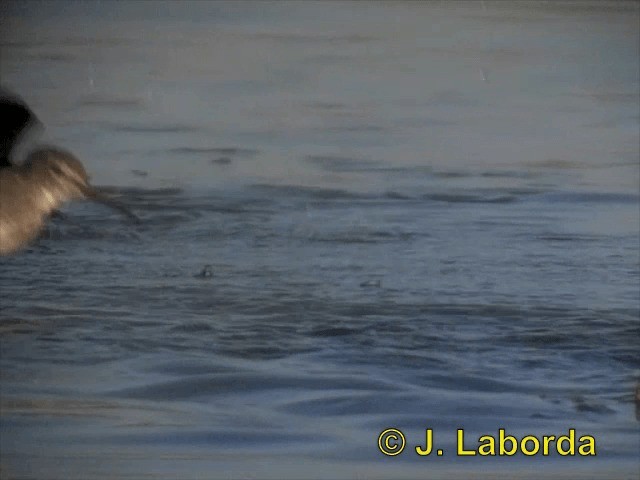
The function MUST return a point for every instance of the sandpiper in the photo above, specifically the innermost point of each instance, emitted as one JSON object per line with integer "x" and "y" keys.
{"x": 32, "y": 191}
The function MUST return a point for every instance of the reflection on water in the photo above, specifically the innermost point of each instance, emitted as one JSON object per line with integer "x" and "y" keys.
{"x": 354, "y": 217}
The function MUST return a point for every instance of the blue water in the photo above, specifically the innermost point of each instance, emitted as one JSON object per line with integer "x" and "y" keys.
{"x": 416, "y": 215}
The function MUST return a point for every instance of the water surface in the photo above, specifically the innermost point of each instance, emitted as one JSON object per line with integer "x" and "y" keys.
{"x": 417, "y": 215}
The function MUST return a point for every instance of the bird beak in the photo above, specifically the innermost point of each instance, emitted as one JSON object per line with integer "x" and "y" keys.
{"x": 92, "y": 194}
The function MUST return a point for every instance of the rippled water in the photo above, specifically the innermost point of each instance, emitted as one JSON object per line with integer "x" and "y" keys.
{"x": 415, "y": 216}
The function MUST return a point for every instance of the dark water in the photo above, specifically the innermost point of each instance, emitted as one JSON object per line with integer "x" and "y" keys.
{"x": 415, "y": 216}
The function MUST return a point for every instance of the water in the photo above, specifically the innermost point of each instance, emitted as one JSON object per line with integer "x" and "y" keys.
{"x": 416, "y": 216}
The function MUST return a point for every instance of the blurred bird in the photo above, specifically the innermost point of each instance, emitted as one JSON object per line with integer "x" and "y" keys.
{"x": 32, "y": 191}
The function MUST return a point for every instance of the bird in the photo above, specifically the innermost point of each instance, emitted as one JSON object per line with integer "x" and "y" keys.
{"x": 32, "y": 191}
